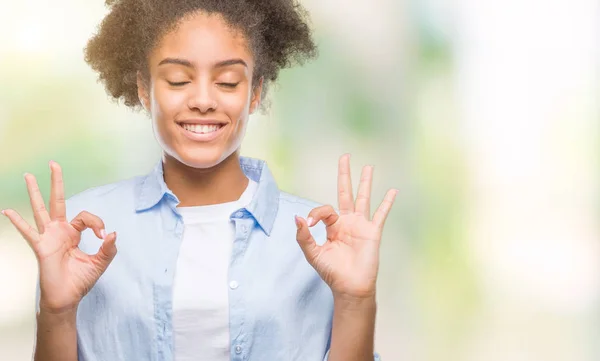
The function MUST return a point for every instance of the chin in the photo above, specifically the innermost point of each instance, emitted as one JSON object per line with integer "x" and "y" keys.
{"x": 202, "y": 158}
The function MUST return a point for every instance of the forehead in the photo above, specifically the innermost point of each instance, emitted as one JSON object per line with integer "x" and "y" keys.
{"x": 203, "y": 39}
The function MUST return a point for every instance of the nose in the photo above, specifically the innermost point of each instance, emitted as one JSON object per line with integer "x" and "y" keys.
{"x": 202, "y": 98}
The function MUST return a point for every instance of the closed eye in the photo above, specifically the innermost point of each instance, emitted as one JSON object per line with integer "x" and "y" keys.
{"x": 228, "y": 85}
{"x": 181, "y": 83}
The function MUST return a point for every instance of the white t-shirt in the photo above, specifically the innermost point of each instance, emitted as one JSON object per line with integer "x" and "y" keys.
{"x": 200, "y": 290}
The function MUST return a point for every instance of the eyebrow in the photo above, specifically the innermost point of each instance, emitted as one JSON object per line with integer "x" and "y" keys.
{"x": 188, "y": 64}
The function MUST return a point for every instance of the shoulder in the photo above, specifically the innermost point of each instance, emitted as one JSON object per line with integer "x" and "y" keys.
{"x": 291, "y": 205}
{"x": 292, "y": 202}
{"x": 100, "y": 198}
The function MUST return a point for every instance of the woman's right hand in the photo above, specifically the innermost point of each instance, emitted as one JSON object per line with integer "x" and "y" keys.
{"x": 66, "y": 273}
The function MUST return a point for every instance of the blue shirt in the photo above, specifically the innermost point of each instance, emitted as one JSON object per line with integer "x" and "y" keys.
{"x": 280, "y": 309}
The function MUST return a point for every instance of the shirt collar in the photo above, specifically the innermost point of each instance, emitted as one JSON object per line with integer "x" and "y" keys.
{"x": 151, "y": 189}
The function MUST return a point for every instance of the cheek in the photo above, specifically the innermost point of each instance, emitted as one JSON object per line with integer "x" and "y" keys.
{"x": 167, "y": 103}
{"x": 236, "y": 105}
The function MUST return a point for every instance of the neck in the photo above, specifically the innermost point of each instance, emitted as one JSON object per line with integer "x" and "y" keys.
{"x": 222, "y": 183}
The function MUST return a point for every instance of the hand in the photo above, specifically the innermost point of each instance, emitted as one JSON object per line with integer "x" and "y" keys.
{"x": 66, "y": 273}
{"x": 349, "y": 260}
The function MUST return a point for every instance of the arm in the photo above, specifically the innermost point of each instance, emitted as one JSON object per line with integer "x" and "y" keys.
{"x": 66, "y": 273}
{"x": 348, "y": 262}
{"x": 353, "y": 330}
{"x": 56, "y": 336}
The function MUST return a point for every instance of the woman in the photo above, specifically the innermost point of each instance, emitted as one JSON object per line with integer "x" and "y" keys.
{"x": 207, "y": 267}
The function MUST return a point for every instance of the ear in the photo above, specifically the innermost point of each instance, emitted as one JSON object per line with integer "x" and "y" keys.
{"x": 142, "y": 89}
{"x": 256, "y": 95}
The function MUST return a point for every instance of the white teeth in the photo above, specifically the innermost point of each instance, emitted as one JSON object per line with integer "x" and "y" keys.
{"x": 201, "y": 129}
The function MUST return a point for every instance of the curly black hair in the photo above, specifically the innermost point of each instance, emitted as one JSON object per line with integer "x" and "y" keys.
{"x": 277, "y": 31}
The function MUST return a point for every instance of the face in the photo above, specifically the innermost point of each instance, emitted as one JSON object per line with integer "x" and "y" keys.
{"x": 200, "y": 92}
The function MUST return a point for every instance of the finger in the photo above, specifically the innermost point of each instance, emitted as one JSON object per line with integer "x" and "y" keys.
{"x": 307, "y": 243}
{"x": 324, "y": 213}
{"x": 40, "y": 214}
{"x": 86, "y": 220}
{"x": 106, "y": 253}
{"x": 57, "y": 194}
{"x": 27, "y": 231}
{"x": 345, "y": 196}
{"x": 363, "y": 197}
{"x": 384, "y": 208}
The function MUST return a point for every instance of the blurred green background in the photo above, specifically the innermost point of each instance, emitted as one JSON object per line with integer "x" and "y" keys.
{"x": 484, "y": 114}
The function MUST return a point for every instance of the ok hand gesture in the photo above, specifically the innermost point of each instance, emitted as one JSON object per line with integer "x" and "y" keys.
{"x": 66, "y": 273}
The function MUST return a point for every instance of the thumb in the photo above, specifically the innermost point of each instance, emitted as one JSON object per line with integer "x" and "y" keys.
{"x": 305, "y": 240}
{"x": 107, "y": 251}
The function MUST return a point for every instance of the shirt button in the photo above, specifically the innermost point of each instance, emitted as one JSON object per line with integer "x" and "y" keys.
{"x": 244, "y": 229}
{"x": 233, "y": 285}
{"x": 239, "y": 214}
{"x": 238, "y": 349}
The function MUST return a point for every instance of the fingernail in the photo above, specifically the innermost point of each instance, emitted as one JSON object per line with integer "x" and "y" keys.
{"x": 2, "y": 211}
{"x": 103, "y": 233}
{"x": 310, "y": 221}
{"x": 25, "y": 174}
{"x": 297, "y": 222}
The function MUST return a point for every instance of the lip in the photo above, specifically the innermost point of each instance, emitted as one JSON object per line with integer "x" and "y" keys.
{"x": 202, "y": 137}
{"x": 201, "y": 122}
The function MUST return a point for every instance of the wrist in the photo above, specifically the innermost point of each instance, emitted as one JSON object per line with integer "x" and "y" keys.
{"x": 354, "y": 303}
{"x": 56, "y": 322}
{"x": 52, "y": 307}
{"x": 63, "y": 315}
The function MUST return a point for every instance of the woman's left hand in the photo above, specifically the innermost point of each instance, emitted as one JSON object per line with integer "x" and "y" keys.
{"x": 349, "y": 260}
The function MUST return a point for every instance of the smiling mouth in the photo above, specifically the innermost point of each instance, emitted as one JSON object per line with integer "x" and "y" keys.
{"x": 201, "y": 129}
